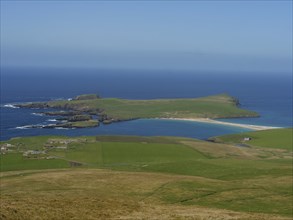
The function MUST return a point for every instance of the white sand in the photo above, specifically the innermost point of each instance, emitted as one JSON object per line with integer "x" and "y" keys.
{"x": 207, "y": 120}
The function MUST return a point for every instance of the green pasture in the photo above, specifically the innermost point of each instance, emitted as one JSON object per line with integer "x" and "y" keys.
{"x": 188, "y": 175}
{"x": 218, "y": 106}
{"x": 274, "y": 138}
{"x": 151, "y": 154}
{"x": 15, "y": 161}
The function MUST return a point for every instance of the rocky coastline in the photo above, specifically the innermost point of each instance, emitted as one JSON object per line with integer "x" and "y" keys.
{"x": 88, "y": 110}
{"x": 71, "y": 117}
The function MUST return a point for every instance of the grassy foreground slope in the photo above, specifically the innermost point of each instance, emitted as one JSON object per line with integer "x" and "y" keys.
{"x": 175, "y": 178}
{"x": 104, "y": 194}
{"x": 218, "y": 106}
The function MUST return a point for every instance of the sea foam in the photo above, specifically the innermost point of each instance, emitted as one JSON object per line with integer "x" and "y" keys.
{"x": 24, "y": 127}
{"x": 51, "y": 120}
{"x": 10, "y": 106}
{"x": 37, "y": 114}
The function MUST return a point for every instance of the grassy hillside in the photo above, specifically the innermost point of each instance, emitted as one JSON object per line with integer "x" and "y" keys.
{"x": 276, "y": 138}
{"x": 104, "y": 194}
{"x": 201, "y": 179}
{"x": 219, "y": 106}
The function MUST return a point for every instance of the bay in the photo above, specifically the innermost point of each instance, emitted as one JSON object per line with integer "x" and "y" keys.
{"x": 268, "y": 94}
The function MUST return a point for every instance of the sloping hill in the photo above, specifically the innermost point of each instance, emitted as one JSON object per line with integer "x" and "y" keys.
{"x": 169, "y": 177}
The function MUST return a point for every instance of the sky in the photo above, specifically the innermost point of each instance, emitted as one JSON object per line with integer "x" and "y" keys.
{"x": 254, "y": 36}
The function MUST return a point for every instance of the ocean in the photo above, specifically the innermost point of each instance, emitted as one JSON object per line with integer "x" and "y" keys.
{"x": 268, "y": 94}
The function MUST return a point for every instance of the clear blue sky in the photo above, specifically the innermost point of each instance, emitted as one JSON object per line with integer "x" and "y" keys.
{"x": 188, "y": 35}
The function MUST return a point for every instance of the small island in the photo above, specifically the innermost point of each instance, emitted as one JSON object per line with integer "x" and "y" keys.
{"x": 90, "y": 110}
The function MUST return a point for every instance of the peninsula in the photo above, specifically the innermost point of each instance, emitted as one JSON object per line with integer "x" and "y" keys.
{"x": 89, "y": 110}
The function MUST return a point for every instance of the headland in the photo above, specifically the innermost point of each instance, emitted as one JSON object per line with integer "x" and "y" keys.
{"x": 90, "y": 110}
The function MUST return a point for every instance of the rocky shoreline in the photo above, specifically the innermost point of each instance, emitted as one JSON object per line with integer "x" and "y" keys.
{"x": 70, "y": 117}
{"x": 84, "y": 111}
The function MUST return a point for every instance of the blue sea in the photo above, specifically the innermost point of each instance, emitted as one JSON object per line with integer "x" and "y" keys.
{"x": 268, "y": 94}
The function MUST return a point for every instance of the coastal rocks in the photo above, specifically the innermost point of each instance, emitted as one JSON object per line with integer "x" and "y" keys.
{"x": 104, "y": 117}
{"x": 80, "y": 124}
{"x": 106, "y": 122}
{"x": 33, "y": 105}
{"x": 62, "y": 113}
{"x": 75, "y": 119}
{"x": 96, "y": 112}
{"x": 79, "y": 118}
{"x": 236, "y": 101}
{"x": 112, "y": 120}
{"x": 86, "y": 97}
{"x": 72, "y": 113}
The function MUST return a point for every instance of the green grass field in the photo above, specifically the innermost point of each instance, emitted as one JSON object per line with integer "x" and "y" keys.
{"x": 105, "y": 194}
{"x": 275, "y": 138}
{"x": 15, "y": 161}
{"x": 218, "y": 106}
{"x": 169, "y": 173}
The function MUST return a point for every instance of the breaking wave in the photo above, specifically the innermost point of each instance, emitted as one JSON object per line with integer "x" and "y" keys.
{"x": 38, "y": 114}
{"x": 10, "y": 106}
{"x": 52, "y": 120}
{"x": 24, "y": 127}
{"x": 30, "y": 126}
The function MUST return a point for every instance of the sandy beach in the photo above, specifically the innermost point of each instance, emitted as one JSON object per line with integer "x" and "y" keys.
{"x": 208, "y": 120}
